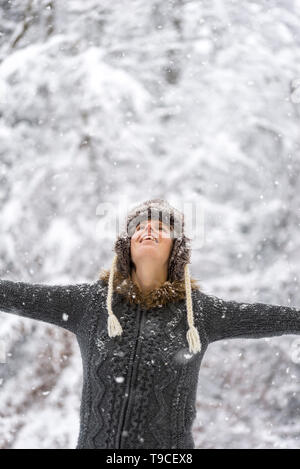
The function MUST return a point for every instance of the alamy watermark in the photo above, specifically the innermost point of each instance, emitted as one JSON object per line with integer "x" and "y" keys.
{"x": 2, "y": 351}
{"x": 113, "y": 217}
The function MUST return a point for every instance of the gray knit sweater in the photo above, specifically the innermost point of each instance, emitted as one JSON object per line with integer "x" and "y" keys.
{"x": 139, "y": 389}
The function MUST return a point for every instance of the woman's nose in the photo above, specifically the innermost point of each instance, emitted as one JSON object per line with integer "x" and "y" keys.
{"x": 149, "y": 227}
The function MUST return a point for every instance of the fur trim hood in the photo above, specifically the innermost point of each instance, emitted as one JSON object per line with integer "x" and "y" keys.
{"x": 168, "y": 292}
{"x": 178, "y": 284}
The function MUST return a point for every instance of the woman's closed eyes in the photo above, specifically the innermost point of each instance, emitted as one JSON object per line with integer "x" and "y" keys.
{"x": 161, "y": 227}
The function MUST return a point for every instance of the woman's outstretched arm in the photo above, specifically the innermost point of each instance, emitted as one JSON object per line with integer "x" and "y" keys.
{"x": 62, "y": 305}
{"x": 232, "y": 319}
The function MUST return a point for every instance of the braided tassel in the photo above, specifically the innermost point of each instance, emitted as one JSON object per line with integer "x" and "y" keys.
{"x": 113, "y": 325}
{"x": 192, "y": 334}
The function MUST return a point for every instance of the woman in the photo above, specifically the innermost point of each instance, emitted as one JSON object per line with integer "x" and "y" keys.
{"x": 143, "y": 328}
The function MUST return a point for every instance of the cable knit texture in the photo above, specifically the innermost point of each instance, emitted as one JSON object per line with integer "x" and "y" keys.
{"x": 139, "y": 388}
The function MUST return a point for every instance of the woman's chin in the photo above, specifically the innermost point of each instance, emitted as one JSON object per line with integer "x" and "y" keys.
{"x": 150, "y": 245}
{"x": 147, "y": 253}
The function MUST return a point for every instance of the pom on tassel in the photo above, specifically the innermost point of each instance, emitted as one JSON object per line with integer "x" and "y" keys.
{"x": 193, "y": 340}
{"x": 114, "y": 327}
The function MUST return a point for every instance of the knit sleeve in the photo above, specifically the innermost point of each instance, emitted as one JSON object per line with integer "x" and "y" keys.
{"x": 62, "y": 305}
{"x": 230, "y": 319}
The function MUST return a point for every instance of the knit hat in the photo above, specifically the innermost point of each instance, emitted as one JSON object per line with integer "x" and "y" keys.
{"x": 178, "y": 261}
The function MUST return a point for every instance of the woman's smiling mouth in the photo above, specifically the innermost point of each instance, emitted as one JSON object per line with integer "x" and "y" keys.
{"x": 149, "y": 238}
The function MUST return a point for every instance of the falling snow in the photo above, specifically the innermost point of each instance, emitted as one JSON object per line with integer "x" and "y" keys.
{"x": 119, "y": 379}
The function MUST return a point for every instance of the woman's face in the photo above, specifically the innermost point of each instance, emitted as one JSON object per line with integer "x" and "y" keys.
{"x": 158, "y": 248}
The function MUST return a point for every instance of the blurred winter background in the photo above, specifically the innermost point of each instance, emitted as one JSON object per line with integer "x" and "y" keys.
{"x": 187, "y": 99}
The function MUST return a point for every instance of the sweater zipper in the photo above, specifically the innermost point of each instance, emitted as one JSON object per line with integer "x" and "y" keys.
{"x": 130, "y": 393}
